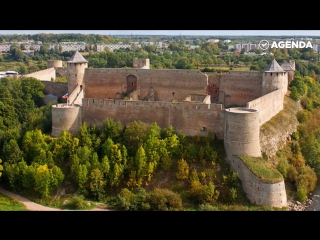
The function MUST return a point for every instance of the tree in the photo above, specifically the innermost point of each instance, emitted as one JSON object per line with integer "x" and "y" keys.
{"x": 42, "y": 181}
{"x": 18, "y": 55}
{"x": 56, "y": 177}
{"x": 183, "y": 170}
{"x": 165, "y": 156}
{"x": 1, "y": 167}
{"x": 33, "y": 89}
{"x": 11, "y": 152}
{"x": 84, "y": 136}
{"x": 294, "y": 93}
{"x": 105, "y": 166}
{"x": 62, "y": 147}
{"x": 183, "y": 63}
{"x": 23, "y": 69}
{"x": 106, "y": 147}
{"x": 140, "y": 164}
{"x": 116, "y": 175}
{"x": 23, "y": 46}
{"x": 134, "y": 135}
{"x": 35, "y": 148}
{"x": 82, "y": 177}
{"x": 97, "y": 182}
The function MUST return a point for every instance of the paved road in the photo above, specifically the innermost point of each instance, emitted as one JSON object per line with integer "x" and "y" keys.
{"x": 32, "y": 206}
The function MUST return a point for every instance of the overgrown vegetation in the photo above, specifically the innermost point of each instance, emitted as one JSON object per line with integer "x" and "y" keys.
{"x": 9, "y": 204}
{"x": 262, "y": 169}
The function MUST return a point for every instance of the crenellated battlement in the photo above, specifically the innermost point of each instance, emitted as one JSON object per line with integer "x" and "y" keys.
{"x": 245, "y": 73}
{"x": 128, "y": 103}
{"x": 134, "y": 70}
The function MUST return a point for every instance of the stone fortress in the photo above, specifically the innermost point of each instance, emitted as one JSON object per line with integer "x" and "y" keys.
{"x": 233, "y": 105}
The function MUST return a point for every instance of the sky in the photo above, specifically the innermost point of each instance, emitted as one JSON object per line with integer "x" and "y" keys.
{"x": 175, "y": 32}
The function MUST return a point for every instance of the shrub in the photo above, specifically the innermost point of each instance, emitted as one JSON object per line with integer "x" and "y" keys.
{"x": 164, "y": 200}
{"x": 207, "y": 207}
{"x": 77, "y": 202}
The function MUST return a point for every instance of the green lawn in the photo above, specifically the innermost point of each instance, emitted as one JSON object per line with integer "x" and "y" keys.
{"x": 9, "y": 204}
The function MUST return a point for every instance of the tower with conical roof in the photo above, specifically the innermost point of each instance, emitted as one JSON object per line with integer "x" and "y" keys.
{"x": 289, "y": 68}
{"x": 273, "y": 78}
{"x": 75, "y": 70}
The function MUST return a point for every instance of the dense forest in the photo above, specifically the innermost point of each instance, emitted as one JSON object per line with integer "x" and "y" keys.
{"x": 140, "y": 166}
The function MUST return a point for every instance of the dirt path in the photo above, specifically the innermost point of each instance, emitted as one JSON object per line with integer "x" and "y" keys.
{"x": 32, "y": 206}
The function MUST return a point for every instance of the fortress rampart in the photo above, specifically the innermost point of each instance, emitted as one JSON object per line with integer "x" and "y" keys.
{"x": 257, "y": 191}
{"x": 164, "y": 85}
{"x": 236, "y": 88}
{"x": 268, "y": 105}
{"x": 61, "y": 72}
{"x": 56, "y": 88}
{"x": 44, "y": 75}
{"x": 186, "y": 117}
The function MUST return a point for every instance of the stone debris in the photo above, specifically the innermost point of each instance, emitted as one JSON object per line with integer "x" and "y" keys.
{"x": 298, "y": 206}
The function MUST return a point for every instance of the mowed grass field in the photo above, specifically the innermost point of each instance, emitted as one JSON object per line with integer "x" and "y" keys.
{"x": 9, "y": 204}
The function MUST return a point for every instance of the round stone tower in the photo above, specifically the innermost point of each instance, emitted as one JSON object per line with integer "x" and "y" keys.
{"x": 75, "y": 71}
{"x": 54, "y": 63}
{"x": 273, "y": 78}
{"x": 241, "y": 132}
{"x": 65, "y": 117}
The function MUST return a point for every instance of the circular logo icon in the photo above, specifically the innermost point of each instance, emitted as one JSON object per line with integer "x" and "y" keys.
{"x": 263, "y": 44}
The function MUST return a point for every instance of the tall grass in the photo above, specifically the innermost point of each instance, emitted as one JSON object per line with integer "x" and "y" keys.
{"x": 9, "y": 204}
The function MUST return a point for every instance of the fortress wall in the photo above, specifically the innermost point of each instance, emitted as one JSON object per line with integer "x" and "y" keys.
{"x": 56, "y": 88}
{"x": 214, "y": 79}
{"x": 61, "y": 72}
{"x": 240, "y": 89}
{"x": 236, "y": 87}
{"x": 268, "y": 105}
{"x": 43, "y": 75}
{"x": 187, "y": 117}
{"x": 241, "y": 132}
{"x": 65, "y": 117}
{"x": 167, "y": 84}
{"x": 258, "y": 192}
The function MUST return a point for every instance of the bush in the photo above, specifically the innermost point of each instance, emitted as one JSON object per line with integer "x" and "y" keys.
{"x": 77, "y": 202}
{"x": 126, "y": 199}
{"x": 207, "y": 207}
{"x": 164, "y": 200}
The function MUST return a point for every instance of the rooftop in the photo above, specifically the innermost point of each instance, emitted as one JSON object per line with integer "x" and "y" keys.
{"x": 77, "y": 58}
{"x": 273, "y": 66}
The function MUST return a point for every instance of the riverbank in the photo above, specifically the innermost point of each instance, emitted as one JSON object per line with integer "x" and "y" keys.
{"x": 312, "y": 204}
